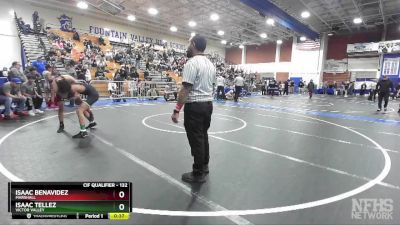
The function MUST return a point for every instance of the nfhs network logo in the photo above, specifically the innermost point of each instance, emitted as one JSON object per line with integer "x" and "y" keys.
{"x": 372, "y": 209}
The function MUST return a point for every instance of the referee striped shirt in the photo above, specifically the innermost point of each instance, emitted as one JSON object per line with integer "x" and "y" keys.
{"x": 200, "y": 72}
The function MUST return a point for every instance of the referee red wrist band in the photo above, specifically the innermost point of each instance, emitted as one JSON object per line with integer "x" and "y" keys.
{"x": 178, "y": 107}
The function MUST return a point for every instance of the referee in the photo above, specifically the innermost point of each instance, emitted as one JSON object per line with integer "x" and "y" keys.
{"x": 197, "y": 95}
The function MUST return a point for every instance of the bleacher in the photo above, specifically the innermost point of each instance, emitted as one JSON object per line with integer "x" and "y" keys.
{"x": 38, "y": 44}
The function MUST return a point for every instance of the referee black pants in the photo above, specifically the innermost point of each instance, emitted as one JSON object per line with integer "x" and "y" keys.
{"x": 238, "y": 90}
{"x": 383, "y": 96}
{"x": 197, "y": 121}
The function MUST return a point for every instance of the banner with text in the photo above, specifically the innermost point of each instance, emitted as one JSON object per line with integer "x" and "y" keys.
{"x": 124, "y": 37}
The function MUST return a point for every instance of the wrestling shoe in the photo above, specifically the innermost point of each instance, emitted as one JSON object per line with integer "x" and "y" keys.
{"x": 91, "y": 125}
{"x": 385, "y": 109}
{"x": 31, "y": 113}
{"x": 194, "y": 177}
{"x": 60, "y": 129}
{"x": 378, "y": 110}
{"x": 81, "y": 134}
{"x": 38, "y": 111}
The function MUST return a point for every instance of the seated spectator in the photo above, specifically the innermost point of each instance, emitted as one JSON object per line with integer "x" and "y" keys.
{"x": 101, "y": 41}
{"x": 123, "y": 73}
{"x": 34, "y": 100}
{"x": 4, "y": 72}
{"x": 100, "y": 75}
{"x": 68, "y": 46}
{"x": 15, "y": 72}
{"x": 138, "y": 58}
{"x": 146, "y": 75}
{"x": 168, "y": 91}
{"x": 109, "y": 55}
{"x": 10, "y": 93}
{"x": 152, "y": 93}
{"x": 80, "y": 73}
{"x": 40, "y": 65}
{"x": 76, "y": 36}
{"x": 88, "y": 74}
{"x": 101, "y": 63}
{"x": 134, "y": 73}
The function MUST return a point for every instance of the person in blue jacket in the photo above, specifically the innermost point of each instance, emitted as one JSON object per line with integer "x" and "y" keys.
{"x": 40, "y": 65}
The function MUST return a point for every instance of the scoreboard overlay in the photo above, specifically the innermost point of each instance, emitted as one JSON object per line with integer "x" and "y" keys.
{"x": 70, "y": 200}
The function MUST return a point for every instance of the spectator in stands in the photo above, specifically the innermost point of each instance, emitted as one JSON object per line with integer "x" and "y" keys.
{"x": 100, "y": 75}
{"x": 10, "y": 93}
{"x": 68, "y": 46}
{"x": 40, "y": 65}
{"x": 109, "y": 55}
{"x": 88, "y": 74}
{"x": 75, "y": 35}
{"x": 101, "y": 41}
{"x": 86, "y": 62}
{"x": 146, "y": 75}
{"x": 34, "y": 100}
{"x": 36, "y": 23}
{"x": 4, "y": 72}
{"x": 310, "y": 88}
{"x": 80, "y": 72}
{"x": 15, "y": 72}
{"x": 147, "y": 65}
{"x": 138, "y": 58}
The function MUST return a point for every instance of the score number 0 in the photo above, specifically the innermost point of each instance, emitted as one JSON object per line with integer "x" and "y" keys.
{"x": 121, "y": 195}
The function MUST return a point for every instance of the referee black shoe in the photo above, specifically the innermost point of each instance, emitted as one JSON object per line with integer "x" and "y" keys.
{"x": 194, "y": 177}
{"x": 91, "y": 125}
{"x": 81, "y": 134}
